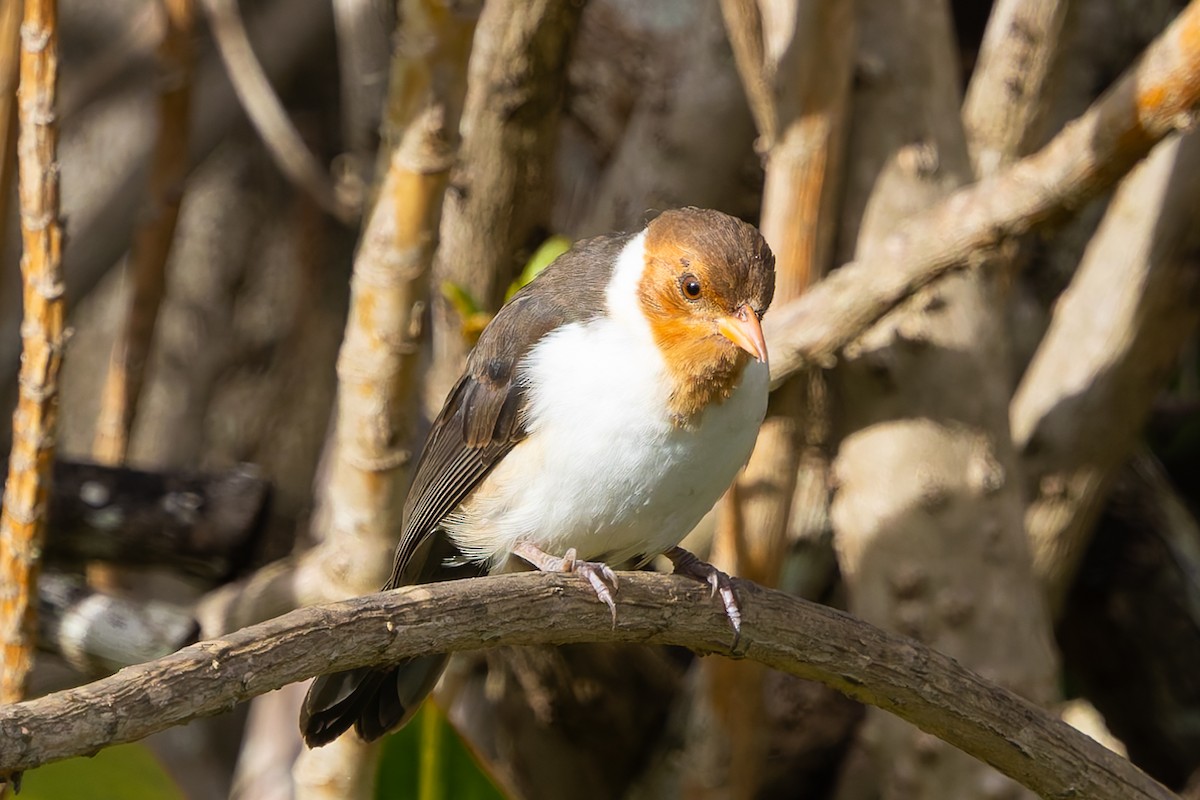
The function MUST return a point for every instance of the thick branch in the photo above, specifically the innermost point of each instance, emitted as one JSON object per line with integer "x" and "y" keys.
{"x": 1154, "y": 98}
{"x": 1114, "y": 339}
{"x": 815, "y": 642}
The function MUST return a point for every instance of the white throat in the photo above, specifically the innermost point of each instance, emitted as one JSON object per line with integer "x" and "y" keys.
{"x": 624, "y": 306}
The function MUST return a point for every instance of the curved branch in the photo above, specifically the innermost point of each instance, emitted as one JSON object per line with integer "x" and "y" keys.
{"x": 931, "y": 690}
{"x": 262, "y": 106}
{"x": 1154, "y": 98}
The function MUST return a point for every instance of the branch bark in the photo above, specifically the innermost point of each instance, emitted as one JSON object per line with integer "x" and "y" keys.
{"x": 1156, "y": 97}
{"x": 10, "y": 61}
{"x": 500, "y": 195}
{"x": 23, "y": 519}
{"x": 814, "y": 642}
{"x": 1004, "y": 101}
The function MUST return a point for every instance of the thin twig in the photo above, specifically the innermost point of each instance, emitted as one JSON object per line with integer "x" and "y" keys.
{"x": 1157, "y": 96}
{"x": 22, "y": 522}
{"x": 811, "y": 641}
{"x": 744, "y": 26}
{"x": 267, "y": 113}
{"x": 152, "y": 239}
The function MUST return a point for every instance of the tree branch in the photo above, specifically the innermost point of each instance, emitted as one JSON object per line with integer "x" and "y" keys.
{"x": 153, "y": 238}
{"x": 815, "y": 642}
{"x": 35, "y": 421}
{"x": 1155, "y": 97}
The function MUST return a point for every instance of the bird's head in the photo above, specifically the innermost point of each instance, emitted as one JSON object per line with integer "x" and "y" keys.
{"x": 708, "y": 279}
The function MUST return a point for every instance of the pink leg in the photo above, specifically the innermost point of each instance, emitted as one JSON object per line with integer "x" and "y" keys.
{"x": 596, "y": 572}
{"x": 691, "y": 566}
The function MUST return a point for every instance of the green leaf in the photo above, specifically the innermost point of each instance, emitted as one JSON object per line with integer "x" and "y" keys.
{"x": 428, "y": 760}
{"x": 124, "y": 772}
{"x": 461, "y": 299}
{"x": 543, "y": 257}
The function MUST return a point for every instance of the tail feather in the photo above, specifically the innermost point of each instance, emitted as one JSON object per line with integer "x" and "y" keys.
{"x": 371, "y": 700}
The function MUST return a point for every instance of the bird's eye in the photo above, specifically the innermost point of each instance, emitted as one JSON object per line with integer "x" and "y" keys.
{"x": 690, "y": 286}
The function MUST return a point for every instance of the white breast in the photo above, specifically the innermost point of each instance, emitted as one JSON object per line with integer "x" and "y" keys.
{"x": 604, "y": 469}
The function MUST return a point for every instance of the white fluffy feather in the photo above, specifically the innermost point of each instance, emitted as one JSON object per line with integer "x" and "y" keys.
{"x": 604, "y": 469}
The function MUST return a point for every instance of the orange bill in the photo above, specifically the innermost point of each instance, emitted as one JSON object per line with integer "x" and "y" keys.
{"x": 744, "y": 330}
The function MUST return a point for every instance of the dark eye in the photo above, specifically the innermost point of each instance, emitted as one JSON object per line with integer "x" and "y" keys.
{"x": 690, "y": 286}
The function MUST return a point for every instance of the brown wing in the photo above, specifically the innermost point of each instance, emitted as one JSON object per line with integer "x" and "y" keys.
{"x": 483, "y": 417}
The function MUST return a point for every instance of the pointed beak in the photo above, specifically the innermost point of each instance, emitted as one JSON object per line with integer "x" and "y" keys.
{"x": 744, "y": 330}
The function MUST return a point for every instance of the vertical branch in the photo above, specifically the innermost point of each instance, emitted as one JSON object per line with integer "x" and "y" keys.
{"x": 744, "y": 27}
{"x": 377, "y": 365}
{"x": 500, "y": 201}
{"x": 10, "y": 59}
{"x": 153, "y": 237}
{"x": 1005, "y": 99}
{"x": 362, "y": 28}
{"x": 22, "y": 522}
{"x": 378, "y": 387}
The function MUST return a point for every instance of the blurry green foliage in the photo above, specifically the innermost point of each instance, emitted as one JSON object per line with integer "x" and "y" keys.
{"x": 428, "y": 760}
{"x": 124, "y": 772}
{"x": 473, "y": 315}
{"x": 543, "y": 257}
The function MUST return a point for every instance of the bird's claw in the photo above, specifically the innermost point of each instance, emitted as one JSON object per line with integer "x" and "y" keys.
{"x": 597, "y": 573}
{"x": 690, "y": 566}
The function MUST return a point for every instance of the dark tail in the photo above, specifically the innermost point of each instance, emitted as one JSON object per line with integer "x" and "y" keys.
{"x": 372, "y": 700}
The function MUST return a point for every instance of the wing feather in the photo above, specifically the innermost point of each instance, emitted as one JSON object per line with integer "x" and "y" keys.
{"x": 483, "y": 418}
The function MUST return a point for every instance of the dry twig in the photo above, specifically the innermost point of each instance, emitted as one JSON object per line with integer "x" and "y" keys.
{"x": 267, "y": 113}
{"x": 811, "y": 641}
{"x": 22, "y": 522}
{"x": 152, "y": 239}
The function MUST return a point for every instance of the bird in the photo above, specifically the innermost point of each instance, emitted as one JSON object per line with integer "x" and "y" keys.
{"x": 601, "y": 414}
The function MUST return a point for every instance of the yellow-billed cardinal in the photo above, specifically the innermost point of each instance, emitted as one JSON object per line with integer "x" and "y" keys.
{"x": 602, "y": 414}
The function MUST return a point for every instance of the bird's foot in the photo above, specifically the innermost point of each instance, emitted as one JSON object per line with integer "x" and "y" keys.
{"x": 689, "y": 565}
{"x": 598, "y": 574}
